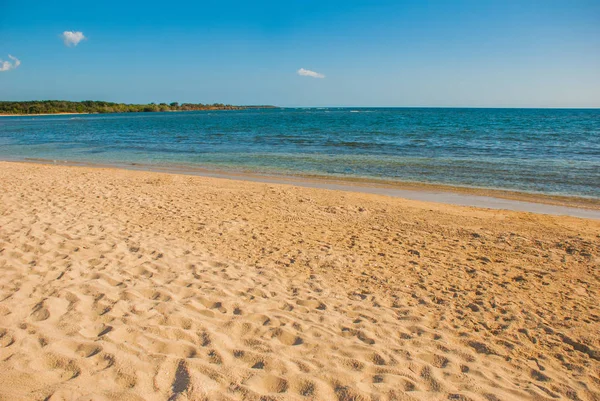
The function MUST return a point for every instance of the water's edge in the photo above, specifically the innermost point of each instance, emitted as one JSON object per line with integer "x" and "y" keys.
{"x": 459, "y": 196}
{"x": 547, "y": 152}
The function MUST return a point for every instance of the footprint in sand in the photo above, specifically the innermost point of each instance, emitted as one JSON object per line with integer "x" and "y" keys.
{"x": 286, "y": 337}
{"x": 40, "y": 312}
{"x": 88, "y": 350}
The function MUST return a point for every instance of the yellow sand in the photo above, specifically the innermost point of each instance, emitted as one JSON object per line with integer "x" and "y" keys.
{"x": 123, "y": 285}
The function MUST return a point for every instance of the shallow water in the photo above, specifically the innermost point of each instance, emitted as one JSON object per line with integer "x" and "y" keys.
{"x": 533, "y": 150}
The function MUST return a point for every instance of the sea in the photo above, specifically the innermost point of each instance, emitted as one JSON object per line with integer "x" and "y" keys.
{"x": 546, "y": 151}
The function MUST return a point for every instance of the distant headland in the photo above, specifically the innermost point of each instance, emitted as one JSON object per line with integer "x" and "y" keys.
{"x": 37, "y": 107}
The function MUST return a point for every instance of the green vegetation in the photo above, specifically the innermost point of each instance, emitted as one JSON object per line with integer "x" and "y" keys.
{"x": 89, "y": 106}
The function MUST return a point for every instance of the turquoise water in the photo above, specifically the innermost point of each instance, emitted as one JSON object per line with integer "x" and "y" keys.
{"x": 545, "y": 151}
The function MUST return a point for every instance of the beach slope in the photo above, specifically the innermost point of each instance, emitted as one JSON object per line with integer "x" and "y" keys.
{"x": 130, "y": 285}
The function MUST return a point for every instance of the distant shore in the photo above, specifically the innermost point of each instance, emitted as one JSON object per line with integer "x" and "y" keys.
{"x": 157, "y": 111}
{"x": 40, "y": 114}
{"x": 51, "y": 107}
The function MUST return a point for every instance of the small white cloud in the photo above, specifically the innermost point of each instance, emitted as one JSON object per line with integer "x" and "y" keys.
{"x": 72, "y": 38}
{"x": 7, "y": 65}
{"x": 309, "y": 73}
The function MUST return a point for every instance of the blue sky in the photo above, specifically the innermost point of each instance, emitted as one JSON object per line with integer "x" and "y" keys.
{"x": 373, "y": 53}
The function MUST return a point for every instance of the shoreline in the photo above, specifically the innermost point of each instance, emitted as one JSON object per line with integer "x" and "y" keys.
{"x": 436, "y": 193}
{"x": 144, "y": 112}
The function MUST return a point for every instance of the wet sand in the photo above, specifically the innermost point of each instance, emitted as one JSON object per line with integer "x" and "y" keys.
{"x": 119, "y": 284}
{"x": 488, "y": 198}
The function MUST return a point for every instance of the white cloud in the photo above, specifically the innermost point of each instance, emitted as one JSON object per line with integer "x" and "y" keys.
{"x": 309, "y": 73}
{"x": 72, "y": 38}
{"x": 7, "y": 65}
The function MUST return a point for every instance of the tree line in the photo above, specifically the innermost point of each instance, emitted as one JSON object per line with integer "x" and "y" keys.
{"x": 92, "y": 106}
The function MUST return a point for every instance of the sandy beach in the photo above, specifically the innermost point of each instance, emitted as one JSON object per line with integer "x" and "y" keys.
{"x": 133, "y": 285}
